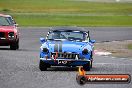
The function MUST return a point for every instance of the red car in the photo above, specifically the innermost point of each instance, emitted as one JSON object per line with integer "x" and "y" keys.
{"x": 9, "y": 34}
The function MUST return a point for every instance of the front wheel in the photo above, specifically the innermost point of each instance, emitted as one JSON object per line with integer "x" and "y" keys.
{"x": 91, "y": 63}
{"x": 42, "y": 66}
{"x": 87, "y": 66}
{"x": 14, "y": 46}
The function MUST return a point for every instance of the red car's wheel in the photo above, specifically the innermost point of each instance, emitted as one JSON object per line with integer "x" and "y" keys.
{"x": 14, "y": 46}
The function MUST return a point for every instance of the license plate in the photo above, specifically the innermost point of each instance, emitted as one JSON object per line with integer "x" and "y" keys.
{"x": 62, "y": 62}
{"x": 2, "y": 38}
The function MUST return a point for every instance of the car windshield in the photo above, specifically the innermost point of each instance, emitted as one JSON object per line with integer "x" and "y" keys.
{"x": 10, "y": 20}
{"x": 74, "y": 35}
{"x": 4, "y": 21}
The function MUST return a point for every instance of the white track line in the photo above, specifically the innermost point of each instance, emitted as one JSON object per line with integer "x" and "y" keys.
{"x": 123, "y": 58}
{"x": 102, "y": 53}
{"x": 110, "y": 64}
{"x": 113, "y": 57}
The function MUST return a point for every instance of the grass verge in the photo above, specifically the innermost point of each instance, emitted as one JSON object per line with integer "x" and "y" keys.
{"x": 67, "y": 13}
{"x": 69, "y": 20}
{"x": 129, "y": 46}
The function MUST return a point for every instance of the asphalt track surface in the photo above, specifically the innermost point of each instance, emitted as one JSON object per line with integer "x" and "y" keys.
{"x": 19, "y": 69}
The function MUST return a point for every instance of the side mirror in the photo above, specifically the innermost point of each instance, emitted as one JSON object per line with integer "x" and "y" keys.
{"x": 42, "y": 40}
{"x": 92, "y": 41}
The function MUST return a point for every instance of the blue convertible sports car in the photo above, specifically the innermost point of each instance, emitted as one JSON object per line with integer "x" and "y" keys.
{"x": 66, "y": 47}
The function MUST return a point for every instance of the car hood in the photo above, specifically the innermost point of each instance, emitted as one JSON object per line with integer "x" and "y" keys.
{"x": 7, "y": 28}
{"x": 65, "y": 46}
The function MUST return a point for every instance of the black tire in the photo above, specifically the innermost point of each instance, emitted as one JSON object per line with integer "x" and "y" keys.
{"x": 17, "y": 45}
{"x": 42, "y": 66}
{"x": 87, "y": 66}
{"x": 14, "y": 46}
{"x": 91, "y": 63}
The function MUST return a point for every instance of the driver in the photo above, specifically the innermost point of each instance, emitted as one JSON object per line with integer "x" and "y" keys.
{"x": 56, "y": 35}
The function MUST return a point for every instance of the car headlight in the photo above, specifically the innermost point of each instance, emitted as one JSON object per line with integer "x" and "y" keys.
{"x": 45, "y": 50}
{"x": 11, "y": 35}
{"x": 85, "y": 51}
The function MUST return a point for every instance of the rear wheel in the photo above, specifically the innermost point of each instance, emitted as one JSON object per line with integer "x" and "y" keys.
{"x": 87, "y": 66}
{"x": 42, "y": 66}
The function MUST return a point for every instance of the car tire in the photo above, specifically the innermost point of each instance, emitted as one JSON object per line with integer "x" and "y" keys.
{"x": 87, "y": 66}
{"x": 42, "y": 66}
{"x": 17, "y": 45}
{"x": 91, "y": 62}
{"x": 14, "y": 46}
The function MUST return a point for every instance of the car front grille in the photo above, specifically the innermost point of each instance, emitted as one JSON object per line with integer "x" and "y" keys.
{"x": 65, "y": 55}
{"x": 2, "y": 34}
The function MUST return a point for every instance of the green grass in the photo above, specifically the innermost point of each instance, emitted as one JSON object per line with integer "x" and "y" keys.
{"x": 67, "y": 12}
{"x": 55, "y": 20}
{"x": 65, "y": 6}
{"x": 129, "y": 46}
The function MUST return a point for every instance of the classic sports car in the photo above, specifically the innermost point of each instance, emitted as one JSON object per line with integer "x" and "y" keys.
{"x": 66, "y": 47}
{"x": 9, "y": 34}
